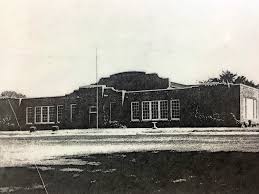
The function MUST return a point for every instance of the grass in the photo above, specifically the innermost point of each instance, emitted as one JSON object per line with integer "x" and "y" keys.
{"x": 142, "y": 172}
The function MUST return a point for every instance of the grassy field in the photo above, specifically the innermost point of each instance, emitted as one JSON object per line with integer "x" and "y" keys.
{"x": 141, "y": 172}
{"x": 130, "y": 161}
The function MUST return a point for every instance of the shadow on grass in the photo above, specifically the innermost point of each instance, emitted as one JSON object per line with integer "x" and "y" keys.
{"x": 143, "y": 172}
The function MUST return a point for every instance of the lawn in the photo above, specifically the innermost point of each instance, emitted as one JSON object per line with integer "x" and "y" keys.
{"x": 141, "y": 172}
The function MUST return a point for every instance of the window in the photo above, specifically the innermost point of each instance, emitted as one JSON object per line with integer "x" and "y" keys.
{"x": 250, "y": 109}
{"x": 51, "y": 114}
{"x": 92, "y": 109}
{"x": 164, "y": 109}
{"x": 155, "y": 110}
{"x": 38, "y": 114}
{"x": 134, "y": 111}
{"x": 114, "y": 111}
{"x": 29, "y": 115}
{"x": 44, "y": 114}
{"x": 72, "y": 112}
{"x": 145, "y": 111}
{"x": 59, "y": 113}
{"x": 175, "y": 107}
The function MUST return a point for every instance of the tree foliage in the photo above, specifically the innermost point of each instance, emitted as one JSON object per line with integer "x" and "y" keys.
{"x": 12, "y": 94}
{"x": 229, "y": 77}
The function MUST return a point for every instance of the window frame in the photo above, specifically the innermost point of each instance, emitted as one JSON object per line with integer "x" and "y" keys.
{"x": 35, "y": 114}
{"x": 53, "y": 114}
{"x": 60, "y": 119}
{"x": 131, "y": 112}
{"x": 166, "y": 109}
{"x": 27, "y": 115}
{"x": 150, "y": 111}
{"x": 156, "y": 111}
{"x": 41, "y": 115}
{"x": 171, "y": 107}
{"x": 92, "y": 112}
{"x": 42, "y": 110}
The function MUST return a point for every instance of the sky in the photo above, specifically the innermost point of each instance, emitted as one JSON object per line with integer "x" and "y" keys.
{"x": 48, "y": 47}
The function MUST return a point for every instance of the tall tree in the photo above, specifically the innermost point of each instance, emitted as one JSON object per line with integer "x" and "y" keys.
{"x": 244, "y": 80}
{"x": 241, "y": 79}
{"x": 229, "y": 77}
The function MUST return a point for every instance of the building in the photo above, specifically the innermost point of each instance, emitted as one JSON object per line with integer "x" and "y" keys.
{"x": 136, "y": 99}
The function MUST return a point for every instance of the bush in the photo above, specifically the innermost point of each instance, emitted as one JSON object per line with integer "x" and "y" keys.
{"x": 114, "y": 124}
{"x": 6, "y": 122}
{"x": 216, "y": 120}
{"x": 230, "y": 120}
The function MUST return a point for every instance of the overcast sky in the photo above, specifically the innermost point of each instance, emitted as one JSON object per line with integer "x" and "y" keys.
{"x": 47, "y": 47}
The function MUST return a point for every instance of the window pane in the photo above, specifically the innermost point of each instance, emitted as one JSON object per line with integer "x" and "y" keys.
{"x": 44, "y": 114}
{"x": 38, "y": 114}
{"x": 175, "y": 109}
{"x": 135, "y": 111}
{"x": 60, "y": 113}
{"x": 164, "y": 110}
{"x": 51, "y": 114}
{"x": 29, "y": 115}
{"x": 154, "y": 109}
{"x": 93, "y": 109}
{"x": 145, "y": 111}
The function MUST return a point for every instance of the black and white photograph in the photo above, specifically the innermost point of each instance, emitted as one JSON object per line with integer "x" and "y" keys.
{"x": 129, "y": 97}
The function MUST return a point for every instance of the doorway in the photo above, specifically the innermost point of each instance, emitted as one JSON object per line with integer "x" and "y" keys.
{"x": 92, "y": 116}
{"x": 113, "y": 111}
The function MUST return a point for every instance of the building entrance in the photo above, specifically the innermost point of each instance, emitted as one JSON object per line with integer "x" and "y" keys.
{"x": 92, "y": 116}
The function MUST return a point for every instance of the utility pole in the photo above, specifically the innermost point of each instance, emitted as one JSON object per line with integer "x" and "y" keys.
{"x": 96, "y": 65}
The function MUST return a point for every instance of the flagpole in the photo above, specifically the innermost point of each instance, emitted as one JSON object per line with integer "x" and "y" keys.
{"x": 96, "y": 71}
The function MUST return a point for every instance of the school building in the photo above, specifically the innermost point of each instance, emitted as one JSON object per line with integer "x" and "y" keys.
{"x": 137, "y": 99}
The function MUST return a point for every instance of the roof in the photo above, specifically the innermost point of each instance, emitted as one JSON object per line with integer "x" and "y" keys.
{"x": 178, "y": 85}
{"x": 93, "y": 86}
{"x": 7, "y": 97}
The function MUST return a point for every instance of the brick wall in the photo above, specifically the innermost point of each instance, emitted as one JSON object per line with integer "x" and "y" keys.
{"x": 206, "y": 100}
{"x": 84, "y": 98}
{"x": 33, "y": 102}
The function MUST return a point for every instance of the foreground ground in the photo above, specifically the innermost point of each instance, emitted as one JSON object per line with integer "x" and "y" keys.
{"x": 141, "y": 172}
{"x": 132, "y": 161}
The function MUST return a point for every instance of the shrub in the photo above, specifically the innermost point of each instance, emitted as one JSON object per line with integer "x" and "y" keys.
{"x": 6, "y": 122}
{"x": 114, "y": 124}
{"x": 216, "y": 120}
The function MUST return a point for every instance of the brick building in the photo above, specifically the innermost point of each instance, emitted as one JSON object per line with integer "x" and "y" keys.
{"x": 136, "y": 99}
